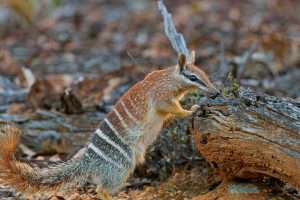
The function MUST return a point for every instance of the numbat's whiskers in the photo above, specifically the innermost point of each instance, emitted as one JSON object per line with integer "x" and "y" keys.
{"x": 118, "y": 144}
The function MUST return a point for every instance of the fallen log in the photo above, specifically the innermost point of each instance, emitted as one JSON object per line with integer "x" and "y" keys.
{"x": 252, "y": 135}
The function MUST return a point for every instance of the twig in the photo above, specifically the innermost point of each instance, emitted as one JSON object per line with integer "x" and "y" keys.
{"x": 177, "y": 39}
{"x": 223, "y": 62}
{"x": 246, "y": 57}
{"x": 132, "y": 58}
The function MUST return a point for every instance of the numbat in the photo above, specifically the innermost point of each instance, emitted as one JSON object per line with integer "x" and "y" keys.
{"x": 120, "y": 142}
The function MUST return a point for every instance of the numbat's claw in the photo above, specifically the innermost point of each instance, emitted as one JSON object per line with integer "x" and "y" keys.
{"x": 194, "y": 107}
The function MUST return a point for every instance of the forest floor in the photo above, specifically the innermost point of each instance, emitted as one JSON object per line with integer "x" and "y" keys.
{"x": 62, "y": 73}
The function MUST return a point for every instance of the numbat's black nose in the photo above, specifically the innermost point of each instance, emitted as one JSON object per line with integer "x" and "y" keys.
{"x": 212, "y": 91}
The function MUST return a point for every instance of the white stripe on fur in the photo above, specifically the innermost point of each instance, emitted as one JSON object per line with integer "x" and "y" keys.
{"x": 104, "y": 137}
{"x": 115, "y": 131}
{"x": 101, "y": 154}
{"x": 128, "y": 113}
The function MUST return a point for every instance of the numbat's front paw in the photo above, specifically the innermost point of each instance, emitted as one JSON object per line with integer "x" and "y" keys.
{"x": 194, "y": 107}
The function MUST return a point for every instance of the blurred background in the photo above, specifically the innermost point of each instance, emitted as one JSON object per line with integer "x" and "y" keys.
{"x": 64, "y": 64}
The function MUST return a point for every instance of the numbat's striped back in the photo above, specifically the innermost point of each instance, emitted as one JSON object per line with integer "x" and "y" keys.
{"x": 114, "y": 140}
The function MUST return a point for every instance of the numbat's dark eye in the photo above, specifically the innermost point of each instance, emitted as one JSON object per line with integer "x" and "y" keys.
{"x": 193, "y": 78}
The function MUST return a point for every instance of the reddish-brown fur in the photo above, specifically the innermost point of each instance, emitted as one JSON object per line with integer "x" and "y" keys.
{"x": 9, "y": 166}
{"x": 15, "y": 174}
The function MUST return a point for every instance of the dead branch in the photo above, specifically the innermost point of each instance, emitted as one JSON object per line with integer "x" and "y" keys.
{"x": 177, "y": 39}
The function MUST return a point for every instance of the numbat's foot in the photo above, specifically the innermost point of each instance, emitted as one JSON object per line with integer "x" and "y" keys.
{"x": 103, "y": 194}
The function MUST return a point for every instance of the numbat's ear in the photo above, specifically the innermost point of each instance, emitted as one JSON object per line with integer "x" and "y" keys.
{"x": 192, "y": 58}
{"x": 182, "y": 62}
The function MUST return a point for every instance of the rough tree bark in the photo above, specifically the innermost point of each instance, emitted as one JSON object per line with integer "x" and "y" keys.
{"x": 251, "y": 136}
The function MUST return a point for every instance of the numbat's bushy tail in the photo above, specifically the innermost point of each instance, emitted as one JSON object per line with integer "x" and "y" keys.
{"x": 119, "y": 143}
{"x": 22, "y": 177}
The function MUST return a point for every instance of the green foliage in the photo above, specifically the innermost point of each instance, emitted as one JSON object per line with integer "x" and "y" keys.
{"x": 56, "y": 3}
{"x": 28, "y": 10}
{"x": 23, "y": 8}
{"x": 231, "y": 86}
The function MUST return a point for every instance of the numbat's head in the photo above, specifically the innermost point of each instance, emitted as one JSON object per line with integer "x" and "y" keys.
{"x": 194, "y": 77}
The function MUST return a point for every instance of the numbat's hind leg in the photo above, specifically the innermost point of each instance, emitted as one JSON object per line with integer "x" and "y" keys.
{"x": 103, "y": 194}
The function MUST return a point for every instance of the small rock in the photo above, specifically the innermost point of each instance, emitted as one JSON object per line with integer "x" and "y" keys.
{"x": 242, "y": 188}
{"x": 74, "y": 196}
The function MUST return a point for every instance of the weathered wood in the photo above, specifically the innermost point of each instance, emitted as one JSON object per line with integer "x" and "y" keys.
{"x": 252, "y": 135}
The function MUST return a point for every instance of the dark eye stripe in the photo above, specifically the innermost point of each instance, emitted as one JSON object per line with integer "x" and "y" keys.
{"x": 201, "y": 82}
{"x": 198, "y": 80}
